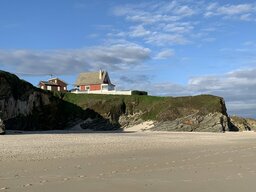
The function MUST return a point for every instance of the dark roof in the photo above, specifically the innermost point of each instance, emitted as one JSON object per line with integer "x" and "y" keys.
{"x": 58, "y": 79}
{"x": 48, "y": 83}
{"x": 52, "y": 83}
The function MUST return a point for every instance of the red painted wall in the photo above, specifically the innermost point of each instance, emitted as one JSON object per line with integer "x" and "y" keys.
{"x": 95, "y": 87}
{"x": 82, "y": 87}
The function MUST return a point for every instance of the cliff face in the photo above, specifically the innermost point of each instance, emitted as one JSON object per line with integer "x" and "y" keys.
{"x": 24, "y": 107}
{"x": 18, "y": 97}
{"x": 2, "y": 127}
{"x": 198, "y": 113}
{"x": 243, "y": 124}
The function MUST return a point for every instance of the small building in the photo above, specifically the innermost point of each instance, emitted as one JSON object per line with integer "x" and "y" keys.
{"x": 94, "y": 81}
{"x": 54, "y": 84}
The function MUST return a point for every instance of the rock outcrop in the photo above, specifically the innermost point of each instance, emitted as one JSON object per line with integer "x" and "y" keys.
{"x": 197, "y": 113}
{"x": 25, "y": 107}
{"x": 2, "y": 127}
{"x": 243, "y": 124}
{"x": 212, "y": 122}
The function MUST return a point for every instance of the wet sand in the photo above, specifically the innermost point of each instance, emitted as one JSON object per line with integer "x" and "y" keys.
{"x": 139, "y": 161}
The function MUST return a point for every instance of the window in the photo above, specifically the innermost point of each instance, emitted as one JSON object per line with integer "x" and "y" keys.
{"x": 42, "y": 87}
{"x": 49, "y": 88}
{"x": 59, "y": 88}
{"x": 65, "y": 88}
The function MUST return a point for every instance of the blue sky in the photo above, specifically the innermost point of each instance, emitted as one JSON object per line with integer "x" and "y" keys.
{"x": 174, "y": 48}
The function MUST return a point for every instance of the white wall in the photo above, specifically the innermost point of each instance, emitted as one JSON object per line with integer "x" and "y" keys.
{"x": 114, "y": 92}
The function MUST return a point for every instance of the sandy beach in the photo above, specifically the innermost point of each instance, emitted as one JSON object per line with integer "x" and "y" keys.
{"x": 128, "y": 161}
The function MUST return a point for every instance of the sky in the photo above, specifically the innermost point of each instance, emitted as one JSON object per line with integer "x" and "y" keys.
{"x": 168, "y": 48}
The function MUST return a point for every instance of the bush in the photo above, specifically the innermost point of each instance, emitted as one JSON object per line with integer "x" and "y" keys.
{"x": 136, "y": 92}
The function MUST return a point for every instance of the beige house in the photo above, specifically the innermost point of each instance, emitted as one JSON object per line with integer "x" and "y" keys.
{"x": 94, "y": 81}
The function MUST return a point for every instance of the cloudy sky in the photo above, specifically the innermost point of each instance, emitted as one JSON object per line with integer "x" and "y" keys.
{"x": 170, "y": 47}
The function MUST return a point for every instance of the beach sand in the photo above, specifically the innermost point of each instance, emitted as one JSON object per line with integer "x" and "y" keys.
{"x": 128, "y": 161}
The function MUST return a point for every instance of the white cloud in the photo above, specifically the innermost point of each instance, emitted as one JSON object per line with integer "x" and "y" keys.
{"x": 162, "y": 39}
{"x": 246, "y": 17}
{"x": 244, "y": 12}
{"x": 165, "y": 54}
{"x": 114, "y": 57}
{"x": 212, "y": 6}
{"x": 178, "y": 27}
{"x": 163, "y": 23}
{"x": 235, "y": 9}
{"x": 184, "y": 11}
{"x": 139, "y": 31}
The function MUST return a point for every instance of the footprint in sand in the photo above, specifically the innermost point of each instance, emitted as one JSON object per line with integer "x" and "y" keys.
{"x": 82, "y": 176}
{"x": 4, "y": 188}
{"x": 27, "y": 185}
{"x": 66, "y": 179}
{"x": 240, "y": 175}
{"x": 43, "y": 181}
{"x": 78, "y": 166}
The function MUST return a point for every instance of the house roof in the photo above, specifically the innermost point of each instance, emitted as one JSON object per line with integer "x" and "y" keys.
{"x": 48, "y": 83}
{"x": 93, "y": 78}
{"x": 56, "y": 78}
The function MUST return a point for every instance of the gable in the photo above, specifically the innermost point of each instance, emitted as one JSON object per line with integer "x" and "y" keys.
{"x": 106, "y": 79}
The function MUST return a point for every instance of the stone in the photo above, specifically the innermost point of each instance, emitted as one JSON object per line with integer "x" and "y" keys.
{"x": 2, "y": 127}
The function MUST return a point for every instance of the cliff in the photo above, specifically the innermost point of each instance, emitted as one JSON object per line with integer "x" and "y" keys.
{"x": 243, "y": 124}
{"x": 24, "y": 107}
{"x": 197, "y": 113}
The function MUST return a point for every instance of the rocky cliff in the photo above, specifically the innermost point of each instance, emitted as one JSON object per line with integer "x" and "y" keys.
{"x": 25, "y": 107}
{"x": 2, "y": 127}
{"x": 197, "y": 113}
{"x": 243, "y": 124}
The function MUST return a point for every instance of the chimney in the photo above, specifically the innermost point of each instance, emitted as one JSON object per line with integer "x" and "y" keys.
{"x": 100, "y": 74}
